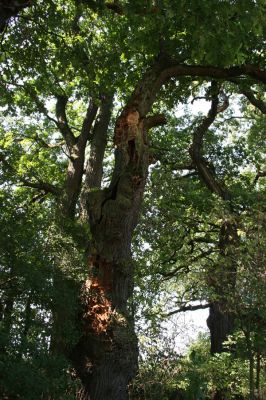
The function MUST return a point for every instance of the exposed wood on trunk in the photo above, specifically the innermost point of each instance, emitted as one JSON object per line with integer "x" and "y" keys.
{"x": 106, "y": 355}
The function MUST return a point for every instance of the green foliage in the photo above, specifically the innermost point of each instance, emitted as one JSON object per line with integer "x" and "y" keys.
{"x": 196, "y": 374}
{"x": 31, "y": 247}
{"x": 83, "y": 50}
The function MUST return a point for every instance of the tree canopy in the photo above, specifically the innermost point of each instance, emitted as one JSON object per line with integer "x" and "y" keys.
{"x": 123, "y": 203}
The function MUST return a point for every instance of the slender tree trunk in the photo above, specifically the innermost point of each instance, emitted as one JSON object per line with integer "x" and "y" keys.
{"x": 7, "y": 310}
{"x": 251, "y": 363}
{"x": 258, "y": 368}
{"x": 27, "y": 325}
{"x": 251, "y": 376}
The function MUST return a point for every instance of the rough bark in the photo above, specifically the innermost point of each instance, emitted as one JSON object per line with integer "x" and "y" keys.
{"x": 106, "y": 356}
{"x": 94, "y": 167}
{"x": 221, "y": 317}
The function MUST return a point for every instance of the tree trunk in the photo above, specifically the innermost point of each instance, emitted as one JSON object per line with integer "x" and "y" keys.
{"x": 66, "y": 290}
{"x": 258, "y": 368}
{"x": 220, "y": 324}
{"x": 106, "y": 355}
{"x": 221, "y": 317}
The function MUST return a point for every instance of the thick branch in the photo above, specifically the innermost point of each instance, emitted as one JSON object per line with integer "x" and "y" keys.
{"x": 94, "y": 168}
{"x": 205, "y": 169}
{"x": 216, "y": 72}
{"x": 46, "y": 187}
{"x": 164, "y": 68}
{"x": 87, "y": 123}
{"x": 154, "y": 120}
{"x": 62, "y": 122}
{"x": 253, "y": 100}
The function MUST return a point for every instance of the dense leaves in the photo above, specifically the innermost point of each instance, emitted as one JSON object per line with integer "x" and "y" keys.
{"x": 67, "y": 70}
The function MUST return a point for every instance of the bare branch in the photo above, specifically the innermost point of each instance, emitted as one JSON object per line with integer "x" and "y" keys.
{"x": 44, "y": 186}
{"x": 189, "y": 307}
{"x": 87, "y": 123}
{"x": 44, "y": 144}
{"x": 185, "y": 267}
{"x": 154, "y": 120}
{"x": 40, "y": 185}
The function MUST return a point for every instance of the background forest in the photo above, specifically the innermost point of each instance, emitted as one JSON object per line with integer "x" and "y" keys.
{"x": 132, "y": 189}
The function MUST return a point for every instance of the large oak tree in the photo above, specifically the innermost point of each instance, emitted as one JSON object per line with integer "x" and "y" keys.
{"x": 73, "y": 72}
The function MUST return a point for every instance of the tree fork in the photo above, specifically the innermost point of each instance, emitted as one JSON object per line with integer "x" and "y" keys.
{"x": 105, "y": 357}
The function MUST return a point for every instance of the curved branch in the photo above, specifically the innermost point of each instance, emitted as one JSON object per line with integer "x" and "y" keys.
{"x": 164, "y": 69}
{"x": 185, "y": 267}
{"x": 205, "y": 169}
{"x": 216, "y": 72}
{"x": 253, "y": 100}
{"x": 62, "y": 122}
